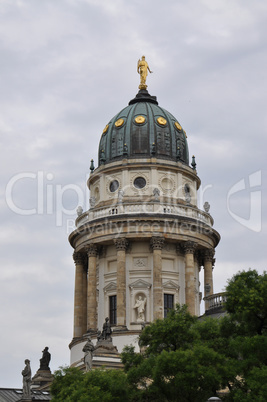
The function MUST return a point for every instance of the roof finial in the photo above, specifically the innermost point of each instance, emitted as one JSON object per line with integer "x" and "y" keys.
{"x": 142, "y": 68}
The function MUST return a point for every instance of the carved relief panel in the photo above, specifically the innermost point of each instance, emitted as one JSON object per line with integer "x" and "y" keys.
{"x": 139, "y": 262}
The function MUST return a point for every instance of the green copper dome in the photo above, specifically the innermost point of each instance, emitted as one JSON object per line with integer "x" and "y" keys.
{"x": 143, "y": 130}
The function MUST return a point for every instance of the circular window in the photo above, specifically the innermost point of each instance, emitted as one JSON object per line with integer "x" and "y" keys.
{"x": 139, "y": 182}
{"x": 114, "y": 185}
{"x": 167, "y": 184}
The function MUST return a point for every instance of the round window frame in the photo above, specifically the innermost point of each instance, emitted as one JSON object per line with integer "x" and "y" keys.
{"x": 139, "y": 187}
{"x": 112, "y": 182}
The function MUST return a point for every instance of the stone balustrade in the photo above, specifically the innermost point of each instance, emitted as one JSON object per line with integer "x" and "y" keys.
{"x": 144, "y": 208}
{"x": 215, "y": 302}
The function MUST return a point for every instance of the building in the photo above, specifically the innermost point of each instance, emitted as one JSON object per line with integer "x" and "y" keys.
{"x": 139, "y": 248}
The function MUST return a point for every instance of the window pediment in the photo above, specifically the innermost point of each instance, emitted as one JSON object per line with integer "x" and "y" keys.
{"x": 140, "y": 284}
{"x": 171, "y": 285}
{"x": 112, "y": 286}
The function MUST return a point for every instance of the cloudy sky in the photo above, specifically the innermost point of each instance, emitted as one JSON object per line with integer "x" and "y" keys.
{"x": 66, "y": 68}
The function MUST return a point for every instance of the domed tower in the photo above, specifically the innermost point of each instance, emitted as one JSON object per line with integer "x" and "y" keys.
{"x": 139, "y": 248}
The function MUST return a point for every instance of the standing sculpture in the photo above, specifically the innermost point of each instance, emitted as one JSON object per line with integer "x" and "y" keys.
{"x": 45, "y": 359}
{"x": 142, "y": 69}
{"x": 140, "y": 305}
{"x": 107, "y": 331}
{"x": 27, "y": 379}
{"x": 88, "y": 350}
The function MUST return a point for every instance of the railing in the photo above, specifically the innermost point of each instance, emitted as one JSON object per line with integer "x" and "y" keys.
{"x": 144, "y": 208}
{"x": 215, "y": 302}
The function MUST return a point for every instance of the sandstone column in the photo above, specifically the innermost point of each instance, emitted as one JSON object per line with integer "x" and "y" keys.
{"x": 208, "y": 279}
{"x": 190, "y": 285}
{"x": 91, "y": 288}
{"x": 121, "y": 245}
{"x": 78, "y": 295}
{"x": 84, "y": 295}
{"x": 157, "y": 245}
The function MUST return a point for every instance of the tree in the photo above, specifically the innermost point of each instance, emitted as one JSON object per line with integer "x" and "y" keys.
{"x": 170, "y": 334}
{"x": 186, "y": 359}
{"x": 247, "y": 301}
{"x": 189, "y": 375}
{"x": 183, "y": 360}
{"x": 246, "y": 326}
{"x": 71, "y": 384}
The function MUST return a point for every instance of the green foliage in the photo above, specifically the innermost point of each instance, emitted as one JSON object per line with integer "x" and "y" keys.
{"x": 170, "y": 334}
{"x": 252, "y": 389}
{"x": 131, "y": 359}
{"x": 182, "y": 360}
{"x": 247, "y": 301}
{"x": 66, "y": 381}
{"x": 186, "y": 359}
{"x": 208, "y": 332}
{"x": 71, "y": 384}
{"x": 188, "y": 375}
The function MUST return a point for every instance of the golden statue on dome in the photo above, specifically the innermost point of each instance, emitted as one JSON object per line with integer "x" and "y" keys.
{"x": 142, "y": 68}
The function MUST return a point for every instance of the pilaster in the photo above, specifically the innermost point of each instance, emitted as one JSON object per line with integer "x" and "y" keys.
{"x": 121, "y": 246}
{"x": 190, "y": 248}
{"x": 157, "y": 244}
{"x": 208, "y": 277}
{"x": 92, "y": 251}
{"x": 79, "y": 319}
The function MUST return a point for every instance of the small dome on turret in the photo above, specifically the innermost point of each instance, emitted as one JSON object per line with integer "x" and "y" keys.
{"x": 143, "y": 129}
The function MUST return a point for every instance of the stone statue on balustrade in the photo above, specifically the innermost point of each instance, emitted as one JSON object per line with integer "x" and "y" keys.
{"x": 27, "y": 379}
{"x": 88, "y": 350}
{"x": 43, "y": 375}
{"x": 104, "y": 339}
{"x": 107, "y": 331}
{"x": 45, "y": 359}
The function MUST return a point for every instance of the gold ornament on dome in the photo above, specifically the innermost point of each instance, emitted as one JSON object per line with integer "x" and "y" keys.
{"x": 185, "y": 134}
{"x": 140, "y": 119}
{"x": 105, "y": 129}
{"x": 119, "y": 123}
{"x": 178, "y": 126}
{"x": 142, "y": 69}
{"x": 162, "y": 121}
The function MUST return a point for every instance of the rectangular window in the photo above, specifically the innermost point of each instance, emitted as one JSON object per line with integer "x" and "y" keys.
{"x": 113, "y": 310}
{"x": 168, "y": 303}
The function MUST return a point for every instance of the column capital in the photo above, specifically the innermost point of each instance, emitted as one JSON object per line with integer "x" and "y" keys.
{"x": 121, "y": 243}
{"x": 199, "y": 258}
{"x": 209, "y": 255}
{"x": 157, "y": 242}
{"x": 91, "y": 250}
{"x": 79, "y": 258}
{"x": 190, "y": 247}
{"x": 179, "y": 249}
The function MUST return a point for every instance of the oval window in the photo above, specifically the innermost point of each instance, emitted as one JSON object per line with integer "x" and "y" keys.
{"x": 139, "y": 182}
{"x": 114, "y": 185}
